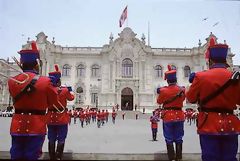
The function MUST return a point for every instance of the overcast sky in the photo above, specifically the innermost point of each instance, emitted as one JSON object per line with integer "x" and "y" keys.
{"x": 81, "y": 23}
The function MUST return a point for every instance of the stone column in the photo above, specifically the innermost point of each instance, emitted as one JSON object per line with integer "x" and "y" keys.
{"x": 143, "y": 74}
{"x": 111, "y": 75}
{"x": 135, "y": 69}
{"x": 118, "y": 68}
{"x": 87, "y": 82}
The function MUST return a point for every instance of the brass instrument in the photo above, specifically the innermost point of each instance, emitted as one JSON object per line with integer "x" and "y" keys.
{"x": 9, "y": 77}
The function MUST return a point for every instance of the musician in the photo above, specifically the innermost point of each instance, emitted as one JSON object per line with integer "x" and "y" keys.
{"x": 154, "y": 125}
{"x": 218, "y": 127}
{"x": 172, "y": 97}
{"x": 31, "y": 99}
{"x": 58, "y": 117}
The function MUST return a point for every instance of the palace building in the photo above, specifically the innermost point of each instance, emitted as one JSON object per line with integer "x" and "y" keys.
{"x": 126, "y": 71}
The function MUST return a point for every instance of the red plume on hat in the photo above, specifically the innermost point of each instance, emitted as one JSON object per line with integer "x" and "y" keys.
{"x": 56, "y": 68}
{"x": 169, "y": 67}
{"x": 34, "y": 45}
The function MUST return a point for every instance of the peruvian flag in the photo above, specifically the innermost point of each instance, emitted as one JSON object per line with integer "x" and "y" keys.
{"x": 123, "y": 17}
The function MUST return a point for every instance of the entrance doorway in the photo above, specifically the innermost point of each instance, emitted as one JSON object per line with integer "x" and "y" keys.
{"x": 127, "y": 99}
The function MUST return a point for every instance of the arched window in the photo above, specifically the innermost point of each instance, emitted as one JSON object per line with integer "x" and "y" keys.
{"x": 127, "y": 68}
{"x": 158, "y": 71}
{"x": 66, "y": 70}
{"x": 187, "y": 71}
{"x": 95, "y": 70}
{"x": 80, "y": 70}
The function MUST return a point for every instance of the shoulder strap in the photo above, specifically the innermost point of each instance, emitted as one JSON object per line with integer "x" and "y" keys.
{"x": 173, "y": 98}
{"x": 234, "y": 78}
{"x": 28, "y": 89}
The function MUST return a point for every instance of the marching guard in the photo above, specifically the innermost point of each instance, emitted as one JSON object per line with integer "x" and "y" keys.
{"x": 58, "y": 117}
{"x": 114, "y": 114}
{"x": 31, "y": 98}
{"x": 154, "y": 125}
{"x": 172, "y": 97}
{"x": 217, "y": 93}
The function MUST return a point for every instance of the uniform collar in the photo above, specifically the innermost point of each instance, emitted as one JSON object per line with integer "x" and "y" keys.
{"x": 31, "y": 71}
{"x": 218, "y": 65}
{"x": 172, "y": 84}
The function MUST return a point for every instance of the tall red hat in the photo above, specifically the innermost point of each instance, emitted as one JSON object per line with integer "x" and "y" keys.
{"x": 170, "y": 74}
{"x": 30, "y": 55}
{"x": 216, "y": 52}
{"x": 56, "y": 74}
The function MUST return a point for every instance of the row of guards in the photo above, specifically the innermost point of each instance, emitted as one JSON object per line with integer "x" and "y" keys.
{"x": 217, "y": 93}
{"x": 95, "y": 114}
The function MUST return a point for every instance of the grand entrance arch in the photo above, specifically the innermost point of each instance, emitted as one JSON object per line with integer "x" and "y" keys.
{"x": 127, "y": 99}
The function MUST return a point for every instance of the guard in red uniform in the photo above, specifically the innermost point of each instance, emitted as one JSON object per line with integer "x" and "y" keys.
{"x": 82, "y": 117}
{"x": 217, "y": 93}
{"x": 99, "y": 118}
{"x": 154, "y": 125}
{"x": 31, "y": 99}
{"x": 114, "y": 114}
{"x": 107, "y": 115}
{"x": 172, "y": 97}
{"x": 75, "y": 115}
{"x": 58, "y": 121}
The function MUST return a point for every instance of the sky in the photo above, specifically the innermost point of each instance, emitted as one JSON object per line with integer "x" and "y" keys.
{"x": 81, "y": 23}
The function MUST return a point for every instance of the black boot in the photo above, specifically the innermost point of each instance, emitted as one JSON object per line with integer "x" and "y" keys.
{"x": 59, "y": 152}
{"x": 171, "y": 152}
{"x": 51, "y": 151}
{"x": 178, "y": 151}
{"x": 155, "y": 136}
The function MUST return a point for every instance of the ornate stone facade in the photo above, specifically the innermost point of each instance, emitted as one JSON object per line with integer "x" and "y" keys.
{"x": 126, "y": 71}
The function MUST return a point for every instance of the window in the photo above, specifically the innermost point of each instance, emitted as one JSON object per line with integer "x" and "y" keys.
{"x": 95, "y": 70}
{"x": 158, "y": 71}
{"x": 94, "y": 98}
{"x": 127, "y": 68}
{"x": 187, "y": 71}
{"x": 80, "y": 70}
{"x": 66, "y": 70}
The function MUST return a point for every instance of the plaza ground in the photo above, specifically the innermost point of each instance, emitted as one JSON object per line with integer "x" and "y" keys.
{"x": 126, "y": 139}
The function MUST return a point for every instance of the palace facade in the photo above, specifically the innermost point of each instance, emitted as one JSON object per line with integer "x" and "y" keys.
{"x": 126, "y": 71}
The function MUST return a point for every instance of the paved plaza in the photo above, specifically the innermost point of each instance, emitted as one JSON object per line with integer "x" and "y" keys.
{"x": 129, "y": 136}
